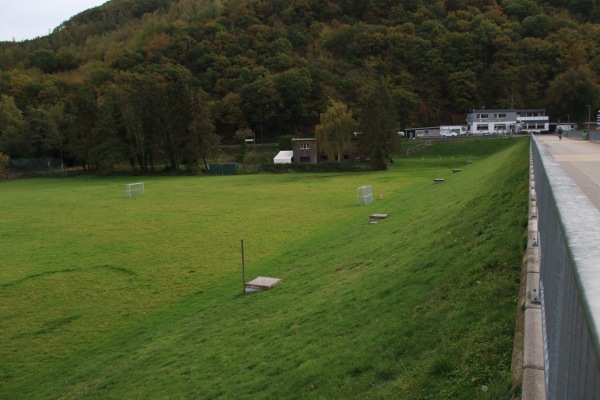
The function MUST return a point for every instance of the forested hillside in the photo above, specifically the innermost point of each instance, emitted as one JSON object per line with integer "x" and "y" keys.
{"x": 158, "y": 81}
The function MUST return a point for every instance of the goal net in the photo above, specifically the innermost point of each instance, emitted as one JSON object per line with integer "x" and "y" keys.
{"x": 134, "y": 189}
{"x": 364, "y": 195}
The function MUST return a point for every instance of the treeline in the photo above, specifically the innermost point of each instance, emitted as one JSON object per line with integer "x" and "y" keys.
{"x": 157, "y": 81}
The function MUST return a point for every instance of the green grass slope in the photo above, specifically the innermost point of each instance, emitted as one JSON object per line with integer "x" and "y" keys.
{"x": 104, "y": 297}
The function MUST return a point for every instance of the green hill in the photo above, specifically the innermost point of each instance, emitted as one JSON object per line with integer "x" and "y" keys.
{"x": 141, "y": 298}
{"x": 113, "y": 83}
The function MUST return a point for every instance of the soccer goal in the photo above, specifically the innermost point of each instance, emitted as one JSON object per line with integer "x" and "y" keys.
{"x": 364, "y": 195}
{"x": 134, "y": 189}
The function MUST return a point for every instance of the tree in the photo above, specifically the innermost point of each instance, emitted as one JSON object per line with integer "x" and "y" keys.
{"x": 406, "y": 102}
{"x": 67, "y": 59}
{"x": 127, "y": 60}
{"x": 335, "y": 130}
{"x": 135, "y": 96}
{"x": 378, "y": 125}
{"x": 571, "y": 91}
{"x": 285, "y": 142}
{"x": 520, "y": 9}
{"x": 295, "y": 87}
{"x": 462, "y": 90}
{"x": 4, "y": 159}
{"x": 44, "y": 136}
{"x": 12, "y": 128}
{"x": 44, "y": 59}
{"x": 79, "y": 138}
{"x": 261, "y": 102}
{"x": 202, "y": 140}
{"x": 229, "y": 110}
{"x": 106, "y": 148}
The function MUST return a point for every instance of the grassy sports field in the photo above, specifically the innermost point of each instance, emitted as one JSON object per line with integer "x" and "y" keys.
{"x": 103, "y": 297}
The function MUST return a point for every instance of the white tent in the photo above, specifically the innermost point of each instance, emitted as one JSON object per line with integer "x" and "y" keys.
{"x": 284, "y": 157}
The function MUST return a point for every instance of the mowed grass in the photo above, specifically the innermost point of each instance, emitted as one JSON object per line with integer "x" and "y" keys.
{"x": 107, "y": 297}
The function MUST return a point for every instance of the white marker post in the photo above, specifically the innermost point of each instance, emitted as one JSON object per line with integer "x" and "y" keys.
{"x": 243, "y": 268}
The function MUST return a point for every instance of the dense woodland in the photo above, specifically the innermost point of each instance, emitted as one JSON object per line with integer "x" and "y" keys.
{"x": 158, "y": 82}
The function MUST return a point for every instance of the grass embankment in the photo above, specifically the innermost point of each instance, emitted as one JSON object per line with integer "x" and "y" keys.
{"x": 105, "y": 297}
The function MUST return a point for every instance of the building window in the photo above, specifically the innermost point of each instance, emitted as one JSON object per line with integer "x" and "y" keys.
{"x": 482, "y": 127}
{"x": 346, "y": 156}
{"x": 304, "y": 159}
{"x": 482, "y": 116}
{"x": 357, "y": 157}
{"x": 324, "y": 157}
{"x": 501, "y": 127}
{"x": 499, "y": 115}
{"x": 304, "y": 146}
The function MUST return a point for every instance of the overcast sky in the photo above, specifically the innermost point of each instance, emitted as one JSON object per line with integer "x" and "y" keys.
{"x": 27, "y": 19}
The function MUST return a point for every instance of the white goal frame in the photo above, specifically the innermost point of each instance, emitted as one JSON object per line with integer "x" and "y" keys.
{"x": 364, "y": 195}
{"x": 134, "y": 189}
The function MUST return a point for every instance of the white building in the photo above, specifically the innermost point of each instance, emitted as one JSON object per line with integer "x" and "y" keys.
{"x": 453, "y": 130}
{"x": 507, "y": 121}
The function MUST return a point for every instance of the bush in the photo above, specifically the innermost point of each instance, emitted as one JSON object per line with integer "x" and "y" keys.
{"x": 323, "y": 167}
{"x": 285, "y": 142}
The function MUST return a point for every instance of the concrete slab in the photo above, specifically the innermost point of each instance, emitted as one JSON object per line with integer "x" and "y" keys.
{"x": 533, "y": 259}
{"x": 533, "y": 290}
{"x": 260, "y": 284}
{"x": 376, "y": 217}
{"x": 533, "y": 214}
{"x": 532, "y": 225}
{"x": 533, "y": 385}
{"x": 533, "y": 351}
{"x": 534, "y": 239}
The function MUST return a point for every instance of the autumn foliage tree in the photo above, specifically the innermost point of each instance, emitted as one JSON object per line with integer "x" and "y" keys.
{"x": 335, "y": 129}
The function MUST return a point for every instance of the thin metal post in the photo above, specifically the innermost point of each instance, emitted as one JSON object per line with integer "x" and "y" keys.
{"x": 243, "y": 268}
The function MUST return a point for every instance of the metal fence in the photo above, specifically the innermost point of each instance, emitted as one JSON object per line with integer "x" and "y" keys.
{"x": 224, "y": 169}
{"x": 593, "y": 135}
{"x": 35, "y": 164}
{"x": 569, "y": 237}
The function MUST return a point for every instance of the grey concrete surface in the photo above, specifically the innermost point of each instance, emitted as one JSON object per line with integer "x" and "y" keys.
{"x": 533, "y": 351}
{"x": 533, "y": 385}
{"x": 580, "y": 160}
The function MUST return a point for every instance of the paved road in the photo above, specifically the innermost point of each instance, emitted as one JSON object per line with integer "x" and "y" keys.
{"x": 580, "y": 160}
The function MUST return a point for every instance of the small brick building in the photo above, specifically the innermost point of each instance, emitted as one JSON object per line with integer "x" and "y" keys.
{"x": 306, "y": 151}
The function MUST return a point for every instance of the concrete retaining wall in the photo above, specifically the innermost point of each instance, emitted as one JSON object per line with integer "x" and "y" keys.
{"x": 569, "y": 276}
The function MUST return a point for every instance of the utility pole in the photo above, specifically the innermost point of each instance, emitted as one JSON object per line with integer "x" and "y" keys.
{"x": 589, "y": 115}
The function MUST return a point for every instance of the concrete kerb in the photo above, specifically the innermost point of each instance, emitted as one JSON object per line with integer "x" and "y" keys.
{"x": 533, "y": 383}
{"x": 533, "y": 351}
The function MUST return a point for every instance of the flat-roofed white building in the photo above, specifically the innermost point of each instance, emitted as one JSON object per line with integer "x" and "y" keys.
{"x": 452, "y": 130}
{"x": 507, "y": 121}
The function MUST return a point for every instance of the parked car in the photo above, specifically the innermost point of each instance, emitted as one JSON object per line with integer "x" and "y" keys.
{"x": 448, "y": 134}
